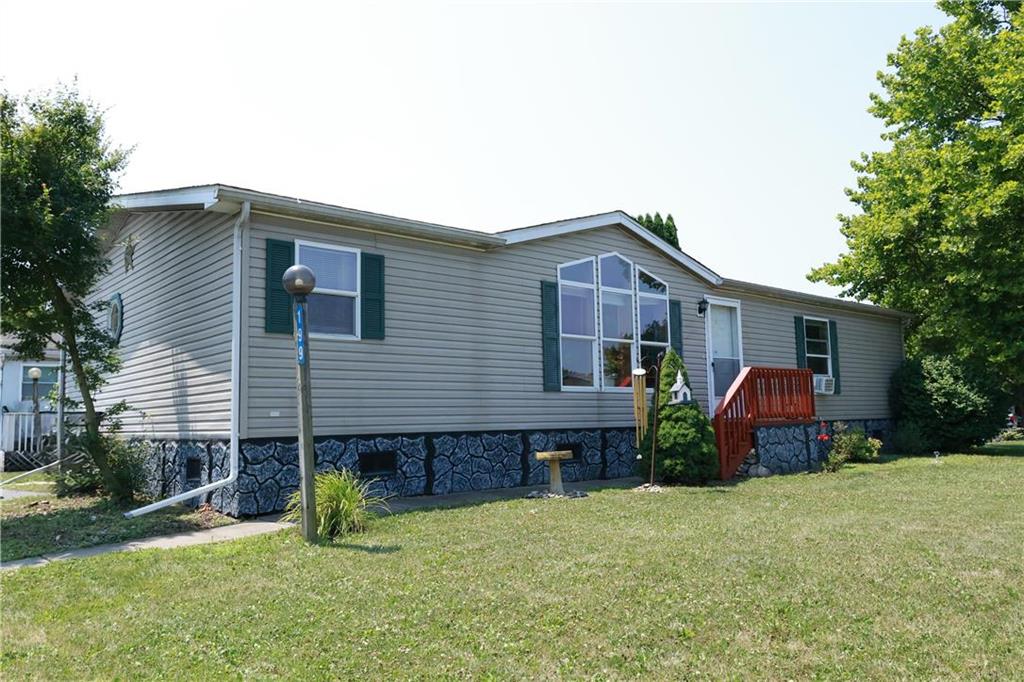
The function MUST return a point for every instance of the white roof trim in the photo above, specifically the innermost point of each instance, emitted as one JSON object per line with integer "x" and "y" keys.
{"x": 203, "y": 197}
{"x": 225, "y": 198}
{"x": 776, "y": 293}
{"x": 526, "y": 234}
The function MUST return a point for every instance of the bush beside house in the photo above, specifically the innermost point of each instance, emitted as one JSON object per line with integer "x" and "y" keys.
{"x": 850, "y": 445}
{"x": 686, "y": 450}
{"x": 938, "y": 405}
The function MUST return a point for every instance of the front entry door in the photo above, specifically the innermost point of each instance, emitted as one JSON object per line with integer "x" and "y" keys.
{"x": 725, "y": 349}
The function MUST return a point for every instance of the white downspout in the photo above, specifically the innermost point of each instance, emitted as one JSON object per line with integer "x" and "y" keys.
{"x": 236, "y": 372}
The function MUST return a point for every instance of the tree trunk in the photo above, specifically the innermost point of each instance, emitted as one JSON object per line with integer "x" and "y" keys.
{"x": 1018, "y": 403}
{"x": 93, "y": 442}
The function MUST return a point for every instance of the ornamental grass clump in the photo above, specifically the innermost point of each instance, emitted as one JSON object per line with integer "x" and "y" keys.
{"x": 344, "y": 504}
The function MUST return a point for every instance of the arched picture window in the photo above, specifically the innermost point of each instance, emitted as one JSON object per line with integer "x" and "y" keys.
{"x": 652, "y": 309}
{"x": 617, "y": 333}
{"x": 613, "y": 318}
{"x": 115, "y": 318}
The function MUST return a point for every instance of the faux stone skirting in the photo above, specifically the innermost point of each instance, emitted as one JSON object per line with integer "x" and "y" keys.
{"x": 789, "y": 448}
{"x": 425, "y": 464}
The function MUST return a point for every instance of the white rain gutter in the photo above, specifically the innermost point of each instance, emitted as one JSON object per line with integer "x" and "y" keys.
{"x": 236, "y": 372}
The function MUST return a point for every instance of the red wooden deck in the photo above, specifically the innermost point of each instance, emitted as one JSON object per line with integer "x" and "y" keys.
{"x": 759, "y": 395}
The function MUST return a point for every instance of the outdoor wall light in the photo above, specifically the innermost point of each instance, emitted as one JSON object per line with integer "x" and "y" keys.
{"x": 702, "y": 307}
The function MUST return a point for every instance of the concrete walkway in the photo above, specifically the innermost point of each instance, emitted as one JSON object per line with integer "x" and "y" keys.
{"x": 270, "y": 524}
{"x": 11, "y": 493}
{"x": 243, "y": 529}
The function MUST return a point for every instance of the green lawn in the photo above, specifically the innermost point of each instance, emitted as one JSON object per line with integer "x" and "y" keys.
{"x": 910, "y": 568}
{"x": 43, "y": 524}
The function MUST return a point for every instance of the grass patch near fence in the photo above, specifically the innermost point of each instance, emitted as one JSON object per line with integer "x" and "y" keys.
{"x": 43, "y": 524}
{"x": 903, "y": 569}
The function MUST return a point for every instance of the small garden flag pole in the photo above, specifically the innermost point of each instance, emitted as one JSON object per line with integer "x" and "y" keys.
{"x": 299, "y": 281}
{"x": 656, "y": 371}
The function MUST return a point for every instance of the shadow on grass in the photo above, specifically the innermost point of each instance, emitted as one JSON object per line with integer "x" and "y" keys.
{"x": 1013, "y": 448}
{"x": 478, "y": 498}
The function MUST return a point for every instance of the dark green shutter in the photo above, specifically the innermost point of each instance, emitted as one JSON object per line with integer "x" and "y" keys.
{"x": 801, "y": 342}
{"x": 549, "y": 336}
{"x": 371, "y": 306}
{"x": 833, "y": 344}
{"x": 675, "y": 323}
{"x": 277, "y": 305}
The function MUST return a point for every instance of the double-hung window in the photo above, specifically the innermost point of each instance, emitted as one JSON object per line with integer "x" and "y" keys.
{"x": 819, "y": 352}
{"x": 334, "y": 305}
{"x": 578, "y": 323}
{"x": 652, "y": 311}
{"x": 617, "y": 321}
{"x": 47, "y": 380}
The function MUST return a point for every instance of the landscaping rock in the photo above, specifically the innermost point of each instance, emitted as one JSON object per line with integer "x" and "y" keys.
{"x": 548, "y": 495}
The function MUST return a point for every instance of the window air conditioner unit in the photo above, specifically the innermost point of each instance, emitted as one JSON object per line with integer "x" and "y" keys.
{"x": 824, "y": 385}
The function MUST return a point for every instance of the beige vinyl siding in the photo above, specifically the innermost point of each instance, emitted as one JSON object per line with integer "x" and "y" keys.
{"x": 176, "y": 340}
{"x": 463, "y": 339}
{"x": 870, "y": 350}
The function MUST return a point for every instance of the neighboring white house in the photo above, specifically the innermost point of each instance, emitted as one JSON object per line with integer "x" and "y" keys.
{"x": 17, "y": 427}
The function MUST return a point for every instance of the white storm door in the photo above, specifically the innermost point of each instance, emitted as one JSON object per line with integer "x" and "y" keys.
{"x": 725, "y": 348}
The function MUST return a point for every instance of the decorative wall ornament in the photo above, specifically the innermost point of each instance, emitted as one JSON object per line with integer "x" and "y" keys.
{"x": 680, "y": 392}
{"x": 115, "y": 318}
{"x": 129, "y": 253}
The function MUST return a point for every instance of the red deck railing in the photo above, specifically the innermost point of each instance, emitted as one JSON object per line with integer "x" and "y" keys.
{"x": 759, "y": 395}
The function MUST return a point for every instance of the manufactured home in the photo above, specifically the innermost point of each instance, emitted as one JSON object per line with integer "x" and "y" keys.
{"x": 443, "y": 359}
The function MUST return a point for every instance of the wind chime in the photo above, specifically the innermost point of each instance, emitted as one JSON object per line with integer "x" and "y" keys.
{"x": 640, "y": 407}
{"x": 640, "y": 403}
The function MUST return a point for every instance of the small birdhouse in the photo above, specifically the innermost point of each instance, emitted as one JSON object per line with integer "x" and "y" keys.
{"x": 680, "y": 394}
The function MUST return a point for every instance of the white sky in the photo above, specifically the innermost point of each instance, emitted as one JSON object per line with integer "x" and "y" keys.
{"x": 739, "y": 119}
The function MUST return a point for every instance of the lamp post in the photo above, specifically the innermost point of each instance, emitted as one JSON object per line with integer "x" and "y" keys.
{"x": 34, "y": 373}
{"x": 299, "y": 281}
{"x": 62, "y": 392}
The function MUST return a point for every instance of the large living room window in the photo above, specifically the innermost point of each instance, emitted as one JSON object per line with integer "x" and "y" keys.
{"x": 577, "y": 296}
{"x": 613, "y": 318}
{"x": 819, "y": 354}
{"x": 334, "y": 306}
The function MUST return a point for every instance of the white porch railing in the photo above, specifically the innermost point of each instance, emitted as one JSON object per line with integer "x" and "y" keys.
{"x": 18, "y": 431}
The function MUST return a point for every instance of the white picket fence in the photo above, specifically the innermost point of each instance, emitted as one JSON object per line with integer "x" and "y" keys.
{"x": 18, "y": 431}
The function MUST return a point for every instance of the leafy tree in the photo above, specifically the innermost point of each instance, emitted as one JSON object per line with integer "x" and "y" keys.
{"x": 686, "y": 450}
{"x": 58, "y": 176}
{"x": 940, "y": 232}
{"x": 666, "y": 229}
